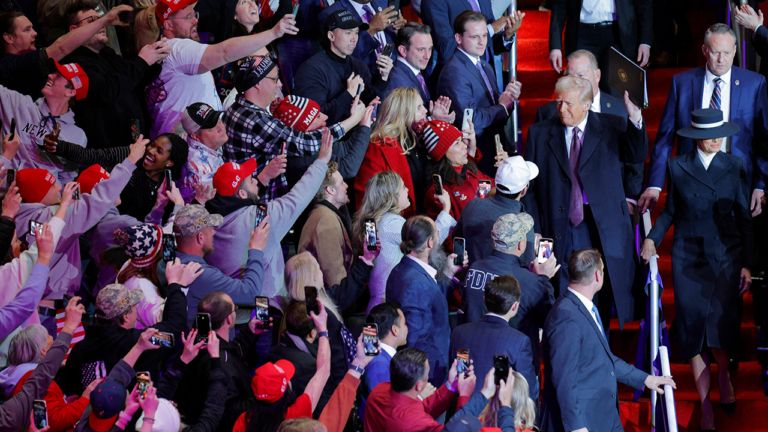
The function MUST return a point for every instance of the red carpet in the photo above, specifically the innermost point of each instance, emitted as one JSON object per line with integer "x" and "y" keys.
{"x": 538, "y": 80}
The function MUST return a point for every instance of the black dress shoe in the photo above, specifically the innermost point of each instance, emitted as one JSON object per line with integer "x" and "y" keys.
{"x": 729, "y": 407}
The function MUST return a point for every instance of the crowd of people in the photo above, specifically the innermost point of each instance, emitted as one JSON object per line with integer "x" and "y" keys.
{"x": 182, "y": 251}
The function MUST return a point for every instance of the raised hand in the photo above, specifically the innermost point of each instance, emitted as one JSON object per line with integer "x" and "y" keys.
{"x": 514, "y": 22}
{"x": 368, "y": 118}
{"x": 112, "y": 18}
{"x": 353, "y": 82}
{"x": 260, "y": 235}
{"x": 11, "y": 202}
{"x": 11, "y": 146}
{"x": 204, "y": 193}
{"x": 287, "y": 25}
{"x": 384, "y": 64}
{"x": 382, "y": 19}
{"x": 45, "y": 245}
{"x": 73, "y": 314}
{"x": 137, "y": 149}
{"x": 274, "y": 168}
{"x": 191, "y": 349}
{"x": 326, "y": 148}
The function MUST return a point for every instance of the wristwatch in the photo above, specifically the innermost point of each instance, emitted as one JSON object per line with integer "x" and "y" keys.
{"x": 357, "y": 369}
{"x": 322, "y": 333}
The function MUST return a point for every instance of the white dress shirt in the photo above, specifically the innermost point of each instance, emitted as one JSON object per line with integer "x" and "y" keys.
{"x": 596, "y": 11}
{"x": 587, "y": 304}
{"x": 569, "y": 135}
{"x": 725, "y": 97}
{"x": 402, "y": 60}
{"x": 705, "y": 159}
{"x": 388, "y": 349}
{"x": 596, "y": 103}
{"x": 431, "y": 270}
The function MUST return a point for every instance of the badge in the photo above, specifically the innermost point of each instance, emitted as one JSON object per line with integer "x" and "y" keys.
{"x": 737, "y": 82}
{"x": 608, "y": 105}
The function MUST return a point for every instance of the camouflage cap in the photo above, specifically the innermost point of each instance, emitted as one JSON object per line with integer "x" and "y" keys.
{"x": 193, "y": 218}
{"x": 510, "y": 229}
{"x": 113, "y": 300}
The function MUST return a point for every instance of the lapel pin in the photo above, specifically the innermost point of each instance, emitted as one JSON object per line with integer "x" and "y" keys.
{"x": 379, "y": 8}
{"x": 737, "y": 82}
{"x": 608, "y": 105}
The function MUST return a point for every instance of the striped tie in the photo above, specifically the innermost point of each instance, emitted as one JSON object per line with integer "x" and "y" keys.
{"x": 486, "y": 80}
{"x": 716, "y": 96}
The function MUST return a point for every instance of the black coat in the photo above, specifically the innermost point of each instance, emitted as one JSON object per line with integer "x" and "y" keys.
{"x": 608, "y": 145}
{"x": 713, "y": 241}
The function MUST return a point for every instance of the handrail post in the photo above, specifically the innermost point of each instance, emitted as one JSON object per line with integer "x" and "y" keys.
{"x": 654, "y": 294}
{"x": 669, "y": 395}
{"x": 513, "y": 73}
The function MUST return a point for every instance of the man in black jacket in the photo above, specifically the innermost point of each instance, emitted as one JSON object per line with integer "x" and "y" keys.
{"x": 238, "y": 359}
{"x": 112, "y": 114}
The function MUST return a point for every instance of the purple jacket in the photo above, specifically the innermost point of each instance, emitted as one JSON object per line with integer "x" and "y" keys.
{"x": 16, "y": 312}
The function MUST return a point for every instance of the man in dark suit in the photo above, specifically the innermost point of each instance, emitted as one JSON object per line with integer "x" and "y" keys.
{"x": 580, "y": 371}
{"x": 421, "y": 283}
{"x": 393, "y": 333}
{"x": 598, "y": 25}
{"x": 740, "y": 94}
{"x": 578, "y": 199}
{"x": 492, "y": 335}
{"x": 470, "y": 82}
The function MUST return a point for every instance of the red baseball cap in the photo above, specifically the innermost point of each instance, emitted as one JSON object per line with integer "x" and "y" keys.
{"x": 271, "y": 380}
{"x": 90, "y": 177}
{"x": 75, "y": 75}
{"x": 34, "y": 184}
{"x": 230, "y": 175}
{"x": 166, "y": 8}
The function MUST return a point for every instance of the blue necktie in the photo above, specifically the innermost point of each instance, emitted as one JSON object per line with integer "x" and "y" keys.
{"x": 716, "y": 95}
{"x": 599, "y": 321}
{"x": 487, "y": 81}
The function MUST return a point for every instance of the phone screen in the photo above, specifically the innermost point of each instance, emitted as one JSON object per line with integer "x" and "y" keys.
{"x": 40, "y": 410}
{"x": 261, "y": 312}
{"x": 162, "y": 340}
{"x": 371, "y": 340}
{"x": 261, "y": 213}
{"x": 438, "y": 182}
{"x": 10, "y": 176}
{"x": 468, "y": 115}
{"x": 142, "y": 379}
{"x": 545, "y": 250}
{"x": 500, "y": 368}
{"x": 296, "y": 9}
{"x": 370, "y": 234}
{"x": 483, "y": 188}
{"x": 34, "y": 226}
{"x": 203, "y": 321}
{"x": 359, "y": 90}
{"x": 462, "y": 362}
{"x": 13, "y": 128}
{"x": 168, "y": 180}
{"x": 76, "y": 194}
{"x": 310, "y": 298}
{"x": 169, "y": 247}
{"x": 459, "y": 246}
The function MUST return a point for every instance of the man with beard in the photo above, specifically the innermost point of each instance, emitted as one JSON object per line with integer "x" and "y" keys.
{"x": 194, "y": 228}
{"x": 237, "y": 198}
{"x": 111, "y": 115}
{"x": 421, "y": 283}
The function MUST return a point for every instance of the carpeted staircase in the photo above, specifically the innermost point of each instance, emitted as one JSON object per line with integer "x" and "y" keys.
{"x": 538, "y": 80}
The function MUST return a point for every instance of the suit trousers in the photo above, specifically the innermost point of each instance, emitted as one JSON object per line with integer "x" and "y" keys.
{"x": 598, "y": 39}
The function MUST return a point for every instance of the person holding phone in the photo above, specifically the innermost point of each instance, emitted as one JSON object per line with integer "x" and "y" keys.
{"x": 393, "y": 334}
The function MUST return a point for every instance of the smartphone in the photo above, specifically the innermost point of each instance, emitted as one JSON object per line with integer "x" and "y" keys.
{"x": 544, "y": 250}
{"x": 142, "y": 379}
{"x": 462, "y": 362}
{"x": 296, "y": 10}
{"x": 359, "y": 90}
{"x": 499, "y": 147}
{"x": 169, "y": 247}
{"x": 483, "y": 188}
{"x": 500, "y": 368}
{"x": 387, "y": 51}
{"x": 34, "y": 226}
{"x": 127, "y": 17}
{"x": 370, "y": 234}
{"x": 261, "y": 312}
{"x": 203, "y": 324}
{"x": 261, "y": 213}
{"x": 40, "y": 410}
{"x": 76, "y": 194}
{"x": 168, "y": 180}
{"x": 10, "y": 177}
{"x": 310, "y": 298}
{"x": 438, "y": 182}
{"x": 283, "y": 152}
{"x": 395, "y": 3}
{"x": 13, "y": 128}
{"x": 469, "y": 114}
{"x": 163, "y": 340}
{"x": 459, "y": 246}
{"x": 371, "y": 340}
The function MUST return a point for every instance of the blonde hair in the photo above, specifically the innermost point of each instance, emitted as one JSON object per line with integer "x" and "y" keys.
{"x": 26, "y": 345}
{"x": 396, "y": 115}
{"x": 570, "y": 83}
{"x": 299, "y": 272}
{"x": 382, "y": 195}
{"x": 525, "y": 411}
{"x": 302, "y": 425}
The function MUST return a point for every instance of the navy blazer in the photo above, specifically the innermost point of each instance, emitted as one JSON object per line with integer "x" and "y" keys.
{"x": 748, "y": 109}
{"x": 425, "y": 306}
{"x": 376, "y": 372}
{"x": 493, "y": 336}
{"x": 608, "y": 145}
{"x": 402, "y": 76}
{"x": 464, "y": 85}
{"x": 366, "y": 44}
{"x": 581, "y": 372}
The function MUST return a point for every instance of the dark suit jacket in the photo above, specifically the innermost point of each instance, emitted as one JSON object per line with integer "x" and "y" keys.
{"x": 493, "y": 336}
{"x": 402, "y": 76}
{"x": 633, "y": 174}
{"x": 462, "y": 82}
{"x": 748, "y": 109}
{"x": 425, "y": 306}
{"x": 580, "y": 372}
{"x": 761, "y": 46}
{"x": 376, "y": 372}
{"x": 608, "y": 144}
{"x": 635, "y": 22}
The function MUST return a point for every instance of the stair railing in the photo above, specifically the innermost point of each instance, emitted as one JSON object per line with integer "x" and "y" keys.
{"x": 513, "y": 73}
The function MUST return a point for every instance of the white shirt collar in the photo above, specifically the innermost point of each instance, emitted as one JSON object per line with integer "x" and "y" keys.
{"x": 709, "y": 76}
{"x": 582, "y": 126}
{"x": 402, "y": 60}
{"x": 705, "y": 160}
{"x": 431, "y": 270}
{"x": 474, "y": 58}
{"x": 389, "y": 350}
{"x": 596, "y": 104}
{"x": 587, "y": 302}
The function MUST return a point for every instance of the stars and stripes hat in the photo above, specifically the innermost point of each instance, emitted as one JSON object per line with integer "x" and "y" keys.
{"x": 141, "y": 243}
{"x": 229, "y": 176}
{"x": 90, "y": 177}
{"x": 34, "y": 184}
{"x": 271, "y": 380}
{"x": 107, "y": 400}
{"x": 252, "y": 70}
{"x": 113, "y": 300}
{"x": 437, "y": 136}
{"x": 75, "y": 75}
{"x": 296, "y": 111}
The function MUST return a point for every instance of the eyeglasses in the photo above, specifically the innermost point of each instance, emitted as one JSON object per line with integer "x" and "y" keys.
{"x": 236, "y": 309}
{"x": 195, "y": 15}
{"x": 87, "y": 20}
{"x": 275, "y": 80}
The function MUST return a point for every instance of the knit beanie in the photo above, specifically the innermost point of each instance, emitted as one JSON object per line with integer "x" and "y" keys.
{"x": 141, "y": 242}
{"x": 90, "y": 177}
{"x": 437, "y": 136}
{"x": 252, "y": 70}
{"x": 296, "y": 112}
{"x": 34, "y": 184}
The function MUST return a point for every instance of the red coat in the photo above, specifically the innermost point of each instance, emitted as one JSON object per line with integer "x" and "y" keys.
{"x": 389, "y": 411}
{"x": 61, "y": 415}
{"x": 460, "y": 195}
{"x": 386, "y": 155}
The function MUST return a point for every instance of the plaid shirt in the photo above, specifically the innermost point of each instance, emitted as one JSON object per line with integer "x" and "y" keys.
{"x": 254, "y": 132}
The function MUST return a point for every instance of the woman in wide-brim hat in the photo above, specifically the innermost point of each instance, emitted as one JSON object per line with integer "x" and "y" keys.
{"x": 712, "y": 251}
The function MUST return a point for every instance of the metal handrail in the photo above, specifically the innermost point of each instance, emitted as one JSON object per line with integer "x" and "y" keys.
{"x": 669, "y": 392}
{"x": 513, "y": 73}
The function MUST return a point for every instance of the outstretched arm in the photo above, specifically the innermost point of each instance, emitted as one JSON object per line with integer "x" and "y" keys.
{"x": 72, "y": 40}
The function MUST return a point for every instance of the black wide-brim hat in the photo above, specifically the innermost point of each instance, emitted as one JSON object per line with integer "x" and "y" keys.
{"x": 708, "y": 124}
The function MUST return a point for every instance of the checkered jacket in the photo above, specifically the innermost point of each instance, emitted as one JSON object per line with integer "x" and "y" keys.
{"x": 254, "y": 132}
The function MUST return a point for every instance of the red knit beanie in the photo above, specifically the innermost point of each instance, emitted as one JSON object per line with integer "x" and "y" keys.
{"x": 90, "y": 177}
{"x": 34, "y": 184}
{"x": 296, "y": 112}
{"x": 437, "y": 136}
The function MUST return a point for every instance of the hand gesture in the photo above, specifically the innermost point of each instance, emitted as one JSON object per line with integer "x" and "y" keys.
{"x": 45, "y": 245}
{"x": 156, "y": 52}
{"x": 361, "y": 359}
{"x": 12, "y": 201}
{"x": 747, "y": 18}
{"x": 514, "y": 88}
{"x": 441, "y": 110}
{"x": 32, "y": 427}
{"x": 11, "y": 146}
{"x": 444, "y": 200}
{"x": 321, "y": 319}
{"x": 150, "y": 401}
{"x": 643, "y": 54}
{"x": 369, "y": 256}
{"x": 190, "y": 272}
{"x": 399, "y": 22}
{"x": 489, "y": 385}
{"x": 213, "y": 344}
{"x": 67, "y": 193}
{"x": 648, "y": 200}
{"x": 204, "y": 193}
{"x": 657, "y": 382}
{"x": 174, "y": 195}
{"x": 548, "y": 268}
{"x": 368, "y": 114}
{"x": 173, "y": 271}
{"x": 137, "y": 149}
{"x": 50, "y": 141}
{"x": 451, "y": 269}
{"x": 499, "y": 25}
{"x": 132, "y": 402}
{"x": 556, "y": 60}
{"x": 191, "y": 349}
{"x": 326, "y": 148}
{"x": 260, "y": 235}
{"x": 382, "y": 19}
{"x": 254, "y": 324}
{"x": 287, "y": 25}
{"x": 506, "y": 387}
{"x": 428, "y": 391}
{"x": 88, "y": 390}
{"x": 507, "y": 99}
{"x": 73, "y": 314}
{"x": 112, "y": 18}
{"x": 745, "y": 281}
{"x": 514, "y": 22}
{"x": 274, "y": 168}
{"x": 634, "y": 112}
{"x": 470, "y": 138}
{"x": 353, "y": 82}
{"x": 384, "y": 64}
{"x": 648, "y": 251}
{"x": 467, "y": 382}
{"x": 143, "y": 343}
